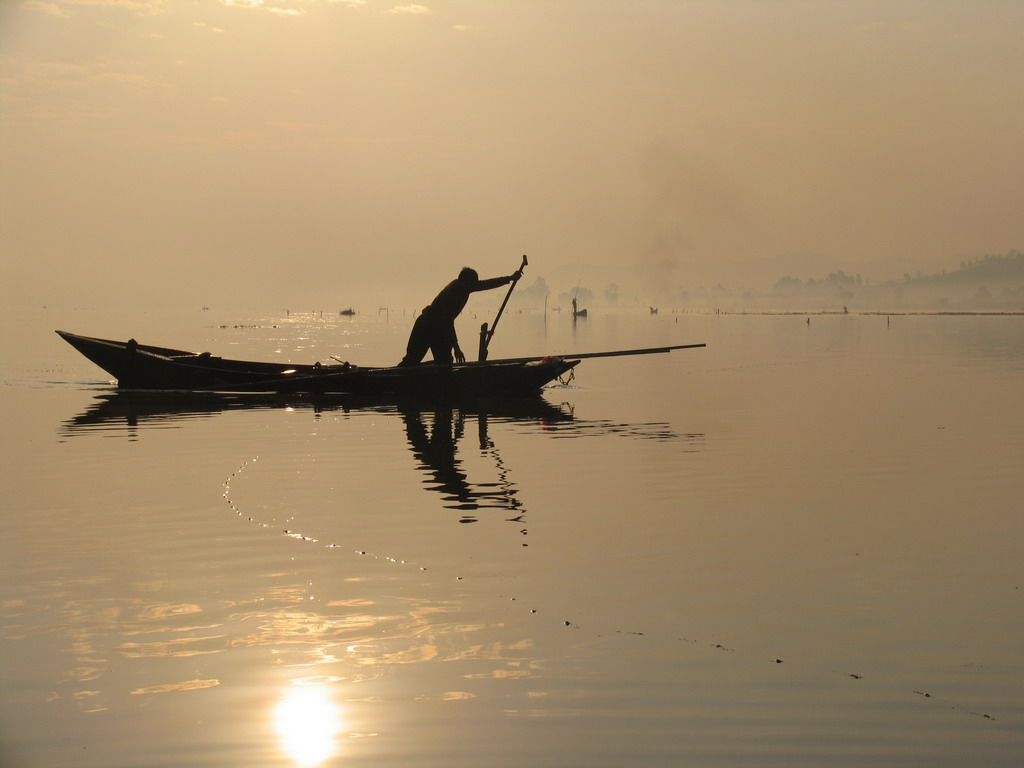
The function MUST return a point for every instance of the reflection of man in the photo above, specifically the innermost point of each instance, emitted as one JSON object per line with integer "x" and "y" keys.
{"x": 435, "y": 451}
{"x": 434, "y": 329}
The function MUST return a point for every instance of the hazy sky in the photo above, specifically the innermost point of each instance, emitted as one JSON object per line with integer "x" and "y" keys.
{"x": 333, "y": 152}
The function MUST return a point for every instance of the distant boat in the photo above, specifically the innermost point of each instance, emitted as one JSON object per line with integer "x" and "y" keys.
{"x": 578, "y": 312}
{"x": 654, "y": 310}
{"x": 348, "y": 311}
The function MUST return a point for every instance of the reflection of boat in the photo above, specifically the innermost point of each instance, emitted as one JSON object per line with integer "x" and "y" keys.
{"x": 132, "y": 409}
{"x": 433, "y": 428}
{"x": 138, "y": 366}
{"x": 113, "y": 410}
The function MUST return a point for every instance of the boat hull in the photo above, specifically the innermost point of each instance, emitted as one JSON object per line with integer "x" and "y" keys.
{"x": 144, "y": 367}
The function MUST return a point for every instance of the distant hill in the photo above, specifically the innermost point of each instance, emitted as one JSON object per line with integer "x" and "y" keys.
{"x": 992, "y": 283}
{"x": 987, "y": 269}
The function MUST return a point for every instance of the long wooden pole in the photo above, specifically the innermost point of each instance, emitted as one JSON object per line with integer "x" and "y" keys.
{"x": 487, "y": 334}
{"x": 588, "y": 355}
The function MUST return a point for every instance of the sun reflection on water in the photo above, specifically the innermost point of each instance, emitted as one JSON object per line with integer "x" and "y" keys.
{"x": 308, "y": 722}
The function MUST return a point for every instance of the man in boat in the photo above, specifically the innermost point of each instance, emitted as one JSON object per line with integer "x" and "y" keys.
{"x": 434, "y": 329}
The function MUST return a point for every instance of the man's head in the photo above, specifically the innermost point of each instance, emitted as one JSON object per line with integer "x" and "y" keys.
{"x": 469, "y": 276}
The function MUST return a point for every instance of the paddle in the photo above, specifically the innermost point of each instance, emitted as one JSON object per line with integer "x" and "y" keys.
{"x": 485, "y": 334}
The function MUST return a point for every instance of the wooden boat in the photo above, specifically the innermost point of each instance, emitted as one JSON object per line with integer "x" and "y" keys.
{"x": 140, "y": 366}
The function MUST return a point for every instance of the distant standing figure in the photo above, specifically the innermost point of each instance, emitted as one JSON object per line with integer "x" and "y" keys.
{"x": 434, "y": 329}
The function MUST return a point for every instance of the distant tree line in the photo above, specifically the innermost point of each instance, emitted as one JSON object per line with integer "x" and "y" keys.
{"x": 989, "y": 282}
{"x": 992, "y": 282}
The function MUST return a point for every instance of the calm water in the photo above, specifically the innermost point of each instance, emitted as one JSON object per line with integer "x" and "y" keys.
{"x": 798, "y": 546}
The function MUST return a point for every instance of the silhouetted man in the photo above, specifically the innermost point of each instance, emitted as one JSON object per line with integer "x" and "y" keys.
{"x": 434, "y": 329}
